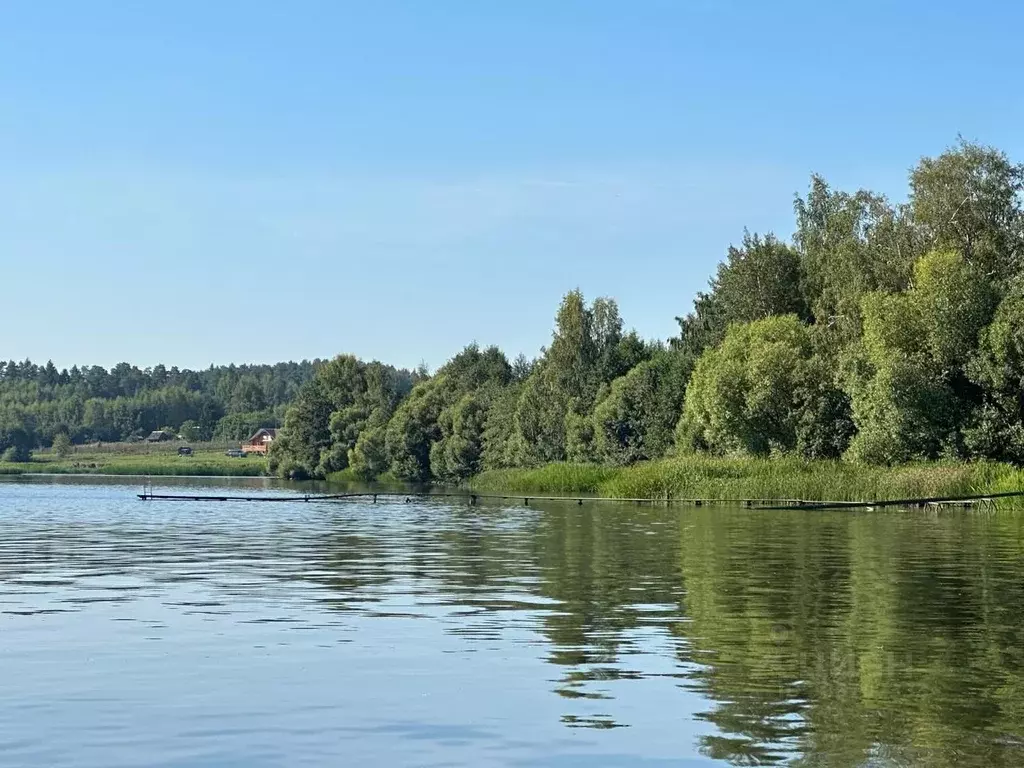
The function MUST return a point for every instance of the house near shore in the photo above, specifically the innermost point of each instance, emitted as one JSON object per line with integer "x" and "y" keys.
{"x": 260, "y": 441}
{"x": 159, "y": 436}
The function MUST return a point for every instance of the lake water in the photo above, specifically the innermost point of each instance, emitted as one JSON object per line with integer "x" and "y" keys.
{"x": 436, "y": 634}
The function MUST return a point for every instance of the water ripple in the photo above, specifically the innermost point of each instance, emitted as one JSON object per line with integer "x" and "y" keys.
{"x": 432, "y": 633}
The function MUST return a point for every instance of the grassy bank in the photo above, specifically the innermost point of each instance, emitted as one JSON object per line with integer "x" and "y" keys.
{"x": 109, "y": 461}
{"x": 701, "y": 477}
{"x": 692, "y": 477}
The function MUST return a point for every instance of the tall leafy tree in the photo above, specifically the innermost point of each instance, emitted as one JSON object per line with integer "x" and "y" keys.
{"x": 760, "y": 278}
{"x": 636, "y": 419}
{"x": 457, "y": 455}
{"x": 501, "y": 443}
{"x": 323, "y": 424}
{"x": 754, "y": 393}
{"x": 553, "y": 419}
{"x": 438, "y": 431}
{"x": 996, "y": 429}
{"x": 968, "y": 200}
{"x": 909, "y": 388}
{"x": 16, "y": 441}
{"x": 850, "y": 245}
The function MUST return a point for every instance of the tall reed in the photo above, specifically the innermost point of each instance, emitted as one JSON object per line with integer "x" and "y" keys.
{"x": 704, "y": 477}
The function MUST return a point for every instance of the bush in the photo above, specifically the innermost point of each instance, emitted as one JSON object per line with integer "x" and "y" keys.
{"x": 16, "y": 454}
{"x": 62, "y": 444}
{"x": 292, "y": 470}
{"x": 16, "y": 444}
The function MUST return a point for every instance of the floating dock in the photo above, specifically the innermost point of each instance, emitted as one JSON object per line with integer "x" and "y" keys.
{"x": 472, "y": 498}
{"x": 966, "y": 502}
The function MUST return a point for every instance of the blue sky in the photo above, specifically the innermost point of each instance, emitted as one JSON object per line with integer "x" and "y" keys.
{"x": 396, "y": 179}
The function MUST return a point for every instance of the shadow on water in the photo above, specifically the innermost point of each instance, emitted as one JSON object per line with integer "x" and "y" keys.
{"x": 813, "y": 639}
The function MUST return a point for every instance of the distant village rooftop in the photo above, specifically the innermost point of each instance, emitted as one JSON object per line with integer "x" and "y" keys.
{"x": 260, "y": 440}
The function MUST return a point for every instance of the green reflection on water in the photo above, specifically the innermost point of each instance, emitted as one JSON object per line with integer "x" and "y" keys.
{"x": 832, "y": 639}
{"x": 814, "y": 639}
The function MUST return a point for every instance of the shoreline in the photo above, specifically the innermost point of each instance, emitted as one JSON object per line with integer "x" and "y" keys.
{"x": 204, "y": 462}
{"x": 127, "y": 476}
{"x": 700, "y": 477}
{"x": 720, "y": 479}
{"x": 18, "y": 472}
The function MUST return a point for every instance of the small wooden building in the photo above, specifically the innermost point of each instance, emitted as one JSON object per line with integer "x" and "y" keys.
{"x": 260, "y": 441}
{"x": 159, "y": 436}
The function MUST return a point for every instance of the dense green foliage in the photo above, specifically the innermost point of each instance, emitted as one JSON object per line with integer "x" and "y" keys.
{"x": 880, "y": 334}
{"x": 763, "y": 391}
{"x": 344, "y": 401}
{"x": 480, "y": 411}
{"x": 40, "y": 404}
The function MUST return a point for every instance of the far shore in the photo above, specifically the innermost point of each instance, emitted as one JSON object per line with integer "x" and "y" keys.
{"x": 684, "y": 477}
{"x": 128, "y": 459}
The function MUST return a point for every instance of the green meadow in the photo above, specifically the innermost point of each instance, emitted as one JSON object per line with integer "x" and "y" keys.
{"x": 135, "y": 459}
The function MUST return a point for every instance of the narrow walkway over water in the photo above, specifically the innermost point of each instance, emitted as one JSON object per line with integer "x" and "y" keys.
{"x": 472, "y": 498}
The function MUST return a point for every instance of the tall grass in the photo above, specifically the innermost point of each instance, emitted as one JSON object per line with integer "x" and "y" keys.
{"x": 188, "y": 469}
{"x": 588, "y": 479}
{"x": 348, "y": 477}
{"x": 169, "y": 447}
{"x": 703, "y": 477}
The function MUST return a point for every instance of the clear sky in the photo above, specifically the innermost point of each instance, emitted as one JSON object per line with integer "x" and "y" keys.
{"x": 240, "y": 181}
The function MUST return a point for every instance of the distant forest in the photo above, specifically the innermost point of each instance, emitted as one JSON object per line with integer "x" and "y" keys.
{"x": 881, "y": 332}
{"x": 39, "y": 402}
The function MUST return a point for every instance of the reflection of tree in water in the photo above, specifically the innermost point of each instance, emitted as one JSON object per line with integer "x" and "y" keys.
{"x": 875, "y": 640}
{"x": 352, "y": 566}
{"x": 755, "y": 625}
{"x": 588, "y": 578}
{"x": 446, "y": 556}
{"x": 606, "y": 570}
{"x": 833, "y": 640}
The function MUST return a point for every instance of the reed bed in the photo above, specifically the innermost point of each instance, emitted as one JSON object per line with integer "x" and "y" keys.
{"x": 704, "y": 477}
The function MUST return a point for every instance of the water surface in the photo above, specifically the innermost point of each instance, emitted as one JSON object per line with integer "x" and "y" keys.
{"x": 434, "y": 633}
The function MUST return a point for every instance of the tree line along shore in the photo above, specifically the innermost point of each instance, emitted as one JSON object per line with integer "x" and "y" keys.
{"x": 880, "y": 335}
{"x": 42, "y": 407}
{"x": 880, "y": 348}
